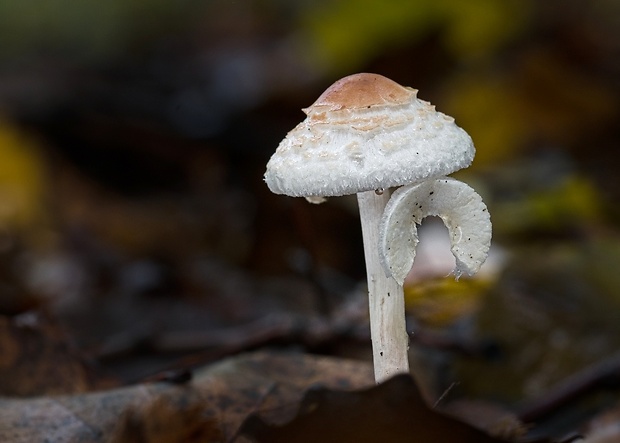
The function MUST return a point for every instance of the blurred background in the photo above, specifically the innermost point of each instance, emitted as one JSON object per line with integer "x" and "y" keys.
{"x": 133, "y": 215}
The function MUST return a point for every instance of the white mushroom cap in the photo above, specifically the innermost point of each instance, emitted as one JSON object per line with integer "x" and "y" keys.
{"x": 366, "y": 132}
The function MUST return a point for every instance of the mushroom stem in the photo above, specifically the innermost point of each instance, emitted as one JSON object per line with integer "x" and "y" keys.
{"x": 390, "y": 341}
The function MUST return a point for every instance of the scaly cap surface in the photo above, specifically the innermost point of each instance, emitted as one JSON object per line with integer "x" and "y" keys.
{"x": 366, "y": 132}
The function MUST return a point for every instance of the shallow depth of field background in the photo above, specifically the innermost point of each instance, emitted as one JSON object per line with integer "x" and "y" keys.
{"x": 134, "y": 136}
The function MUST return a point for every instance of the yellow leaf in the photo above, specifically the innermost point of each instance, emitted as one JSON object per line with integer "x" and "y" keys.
{"x": 440, "y": 302}
{"x": 21, "y": 178}
{"x": 539, "y": 100}
{"x": 479, "y": 28}
{"x": 344, "y": 34}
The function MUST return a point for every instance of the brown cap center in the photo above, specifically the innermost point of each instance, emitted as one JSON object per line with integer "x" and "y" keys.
{"x": 361, "y": 91}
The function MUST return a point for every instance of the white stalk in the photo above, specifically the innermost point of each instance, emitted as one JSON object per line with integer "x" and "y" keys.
{"x": 390, "y": 341}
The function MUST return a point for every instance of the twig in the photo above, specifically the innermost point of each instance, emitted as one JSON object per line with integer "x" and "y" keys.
{"x": 603, "y": 374}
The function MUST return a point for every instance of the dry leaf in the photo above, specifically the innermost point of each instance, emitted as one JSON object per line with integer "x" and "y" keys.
{"x": 37, "y": 359}
{"x": 391, "y": 412}
{"x": 209, "y": 408}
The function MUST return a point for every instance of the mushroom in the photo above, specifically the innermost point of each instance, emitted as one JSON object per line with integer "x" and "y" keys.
{"x": 364, "y": 135}
{"x": 462, "y": 211}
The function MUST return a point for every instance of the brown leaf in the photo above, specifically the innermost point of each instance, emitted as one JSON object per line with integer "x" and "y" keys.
{"x": 208, "y": 408}
{"x": 169, "y": 418}
{"x": 393, "y": 411}
{"x": 488, "y": 417}
{"x": 604, "y": 428}
{"x": 36, "y": 358}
